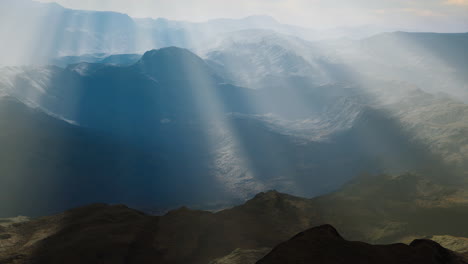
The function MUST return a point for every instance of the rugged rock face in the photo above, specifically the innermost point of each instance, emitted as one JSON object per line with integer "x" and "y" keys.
{"x": 457, "y": 244}
{"x": 102, "y": 233}
{"x": 117, "y": 234}
{"x": 94, "y": 234}
{"x": 325, "y": 245}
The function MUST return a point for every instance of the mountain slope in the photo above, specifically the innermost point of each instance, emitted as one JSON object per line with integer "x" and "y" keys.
{"x": 185, "y": 235}
{"x": 434, "y": 62}
{"x": 458, "y": 244}
{"x": 387, "y": 209}
{"x": 261, "y": 58}
{"x": 411, "y": 81}
{"x": 54, "y": 163}
{"x": 324, "y": 245}
{"x": 198, "y": 129}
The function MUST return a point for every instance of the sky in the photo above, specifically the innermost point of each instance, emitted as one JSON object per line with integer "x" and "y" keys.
{"x": 430, "y": 15}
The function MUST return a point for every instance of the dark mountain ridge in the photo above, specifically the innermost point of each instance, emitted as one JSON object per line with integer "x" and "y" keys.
{"x": 324, "y": 244}
{"x": 192, "y": 236}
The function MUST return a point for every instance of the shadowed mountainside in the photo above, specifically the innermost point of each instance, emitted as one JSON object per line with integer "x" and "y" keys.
{"x": 190, "y": 236}
{"x": 325, "y": 245}
{"x": 171, "y": 122}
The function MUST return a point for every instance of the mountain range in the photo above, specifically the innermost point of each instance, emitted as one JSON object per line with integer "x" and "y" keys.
{"x": 361, "y": 133}
{"x": 173, "y": 117}
{"x": 68, "y": 32}
{"x": 250, "y": 231}
{"x": 156, "y": 119}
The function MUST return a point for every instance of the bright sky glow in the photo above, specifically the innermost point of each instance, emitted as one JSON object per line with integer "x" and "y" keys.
{"x": 428, "y": 15}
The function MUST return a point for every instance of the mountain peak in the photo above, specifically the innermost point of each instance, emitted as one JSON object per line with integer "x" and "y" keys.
{"x": 324, "y": 244}
{"x": 168, "y": 51}
{"x": 174, "y": 63}
{"x": 274, "y": 199}
{"x": 268, "y": 195}
{"x": 324, "y": 231}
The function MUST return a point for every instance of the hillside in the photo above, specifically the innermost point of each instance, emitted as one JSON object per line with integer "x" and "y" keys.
{"x": 302, "y": 139}
{"x": 374, "y": 210}
{"x": 325, "y": 245}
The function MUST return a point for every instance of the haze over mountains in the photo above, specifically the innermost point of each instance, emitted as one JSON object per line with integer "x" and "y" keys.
{"x": 67, "y": 32}
{"x": 262, "y": 110}
{"x": 369, "y": 126}
{"x": 172, "y": 117}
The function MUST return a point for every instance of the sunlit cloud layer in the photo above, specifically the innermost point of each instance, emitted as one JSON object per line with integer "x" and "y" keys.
{"x": 457, "y": 2}
{"x": 435, "y": 15}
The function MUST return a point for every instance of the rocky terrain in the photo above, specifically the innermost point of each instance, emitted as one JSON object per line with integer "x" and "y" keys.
{"x": 380, "y": 211}
{"x": 325, "y": 245}
{"x": 458, "y": 244}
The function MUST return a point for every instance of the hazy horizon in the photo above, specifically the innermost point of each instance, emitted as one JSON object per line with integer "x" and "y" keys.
{"x": 416, "y": 15}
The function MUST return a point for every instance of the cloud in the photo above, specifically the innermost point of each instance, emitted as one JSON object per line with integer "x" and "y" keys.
{"x": 412, "y": 11}
{"x": 457, "y": 2}
{"x": 422, "y": 12}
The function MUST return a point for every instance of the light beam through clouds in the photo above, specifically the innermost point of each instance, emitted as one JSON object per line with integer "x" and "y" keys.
{"x": 440, "y": 15}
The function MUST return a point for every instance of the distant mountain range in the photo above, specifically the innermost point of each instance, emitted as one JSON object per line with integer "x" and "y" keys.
{"x": 133, "y": 133}
{"x": 117, "y": 59}
{"x": 433, "y": 62}
{"x": 44, "y": 31}
{"x": 176, "y": 119}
